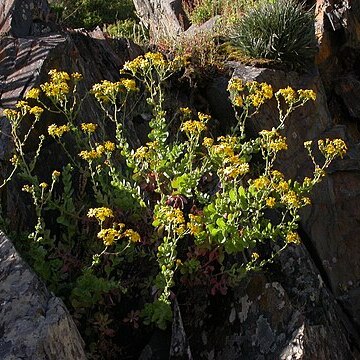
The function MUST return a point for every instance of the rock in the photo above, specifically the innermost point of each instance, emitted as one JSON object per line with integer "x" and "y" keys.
{"x": 23, "y": 17}
{"x": 162, "y": 17}
{"x": 34, "y": 324}
{"x": 209, "y": 26}
{"x": 273, "y": 316}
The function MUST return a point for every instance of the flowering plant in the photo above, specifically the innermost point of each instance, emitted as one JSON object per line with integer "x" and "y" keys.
{"x": 202, "y": 200}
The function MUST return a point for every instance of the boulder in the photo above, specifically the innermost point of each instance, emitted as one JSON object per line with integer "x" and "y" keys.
{"x": 23, "y": 17}
{"x": 34, "y": 324}
{"x": 162, "y": 17}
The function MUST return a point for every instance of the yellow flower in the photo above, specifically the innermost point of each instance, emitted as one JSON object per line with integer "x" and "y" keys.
{"x": 100, "y": 213}
{"x": 89, "y": 155}
{"x": 306, "y": 94}
{"x": 255, "y": 256}
{"x": 109, "y": 236}
{"x": 305, "y": 201}
{"x": 270, "y": 202}
{"x": 107, "y": 91}
{"x": 129, "y": 84}
{"x": 43, "y": 185}
{"x": 283, "y": 186}
{"x": 36, "y": 110}
{"x": 238, "y": 101}
{"x": 132, "y": 235}
{"x": 277, "y": 175}
{"x": 88, "y": 127}
{"x": 58, "y": 131}
{"x": 195, "y": 225}
{"x": 267, "y": 90}
{"x": 33, "y": 93}
{"x": 208, "y": 142}
{"x": 292, "y": 237}
{"x": 23, "y": 105}
{"x": 11, "y": 114}
{"x": 141, "y": 152}
{"x": 203, "y": 117}
{"x": 109, "y": 146}
{"x": 59, "y": 76}
{"x": 235, "y": 84}
{"x": 261, "y": 182}
{"x": 291, "y": 199}
{"x": 76, "y": 76}
{"x": 288, "y": 94}
{"x": 185, "y": 111}
{"x": 193, "y": 127}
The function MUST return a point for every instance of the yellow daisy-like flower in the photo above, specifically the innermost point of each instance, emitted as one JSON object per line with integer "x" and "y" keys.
{"x": 306, "y": 94}
{"x": 193, "y": 127}
{"x": 100, "y": 213}
{"x": 255, "y": 256}
{"x": 293, "y": 237}
{"x": 132, "y": 235}
{"x": 270, "y": 202}
{"x": 55, "y": 174}
{"x": 129, "y": 84}
{"x": 289, "y": 95}
{"x": 89, "y": 155}
{"x": 88, "y": 127}
{"x": 109, "y": 236}
{"x": 109, "y": 146}
{"x": 36, "y": 110}
{"x": 33, "y": 93}
{"x": 58, "y": 131}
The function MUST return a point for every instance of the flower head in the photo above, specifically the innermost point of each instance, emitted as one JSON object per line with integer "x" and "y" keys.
{"x": 100, "y": 213}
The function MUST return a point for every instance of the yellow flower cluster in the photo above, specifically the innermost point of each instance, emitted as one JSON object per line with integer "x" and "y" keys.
{"x": 291, "y": 96}
{"x": 58, "y": 131}
{"x": 96, "y": 153}
{"x": 171, "y": 215}
{"x": 236, "y": 166}
{"x": 132, "y": 235}
{"x": 58, "y": 86}
{"x": 270, "y": 202}
{"x": 36, "y": 110}
{"x": 154, "y": 60}
{"x": 100, "y": 213}
{"x": 193, "y": 127}
{"x": 261, "y": 183}
{"x": 251, "y": 93}
{"x": 332, "y": 148}
{"x": 88, "y": 127}
{"x": 11, "y": 114}
{"x": 195, "y": 225}
{"x": 90, "y": 155}
{"x": 293, "y": 237}
{"x": 236, "y": 84}
{"x": 141, "y": 152}
{"x": 255, "y": 256}
{"x": 306, "y": 94}
{"x": 43, "y": 185}
{"x": 107, "y": 91}
{"x": 33, "y": 93}
{"x": 273, "y": 141}
{"x": 109, "y": 236}
{"x": 291, "y": 199}
{"x": 23, "y": 105}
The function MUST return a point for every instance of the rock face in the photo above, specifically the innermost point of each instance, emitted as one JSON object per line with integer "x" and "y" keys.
{"x": 162, "y": 17}
{"x": 34, "y": 324}
{"x": 21, "y": 18}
